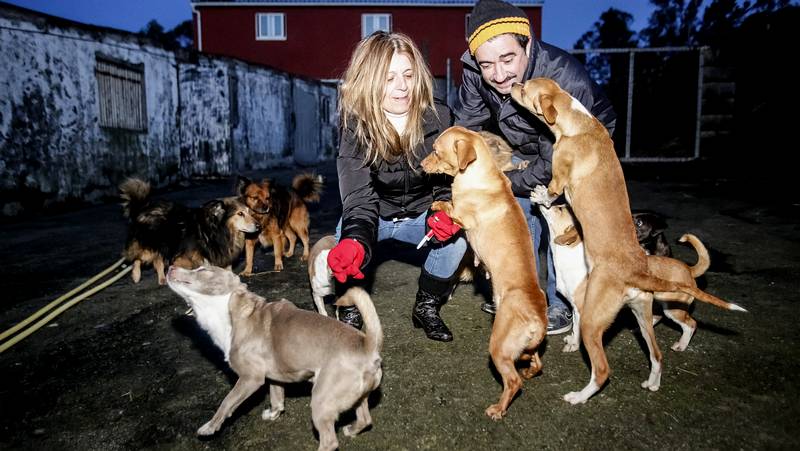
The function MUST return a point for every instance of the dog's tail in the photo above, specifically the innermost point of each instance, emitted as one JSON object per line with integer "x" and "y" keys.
{"x": 649, "y": 282}
{"x": 134, "y": 193}
{"x": 372, "y": 326}
{"x": 308, "y": 186}
{"x": 703, "y": 260}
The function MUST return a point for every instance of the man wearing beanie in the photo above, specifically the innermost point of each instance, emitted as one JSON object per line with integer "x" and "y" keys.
{"x": 503, "y": 51}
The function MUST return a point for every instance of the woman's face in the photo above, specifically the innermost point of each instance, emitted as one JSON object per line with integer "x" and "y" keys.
{"x": 399, "y": 84}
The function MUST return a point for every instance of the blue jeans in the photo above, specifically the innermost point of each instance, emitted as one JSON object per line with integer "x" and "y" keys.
{"x": 442, "y": 261}
{"x": 541, "y": 237}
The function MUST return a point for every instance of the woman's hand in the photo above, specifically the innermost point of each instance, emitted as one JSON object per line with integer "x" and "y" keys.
{"x": 345, "y": 260}
{"x": 442, "y": 226}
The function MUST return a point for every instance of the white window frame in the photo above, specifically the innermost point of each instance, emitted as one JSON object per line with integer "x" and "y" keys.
{"x": 270, "y": 34}
{"x": 371, "y": 18}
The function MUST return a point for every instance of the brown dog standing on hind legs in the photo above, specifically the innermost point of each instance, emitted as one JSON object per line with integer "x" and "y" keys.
{"x": 483, "y": 204}
{"x": 586, "y": 169}
{"x": 569, "y": 259}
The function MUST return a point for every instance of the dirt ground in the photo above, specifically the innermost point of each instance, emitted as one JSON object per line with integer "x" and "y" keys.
{"x": 126, "y": 369}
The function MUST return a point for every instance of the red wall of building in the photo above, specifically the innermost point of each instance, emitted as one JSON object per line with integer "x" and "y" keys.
{"x": 320, "y": 39}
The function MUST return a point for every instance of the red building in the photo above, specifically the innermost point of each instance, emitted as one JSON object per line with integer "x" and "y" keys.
{"x": 316, "y": 37}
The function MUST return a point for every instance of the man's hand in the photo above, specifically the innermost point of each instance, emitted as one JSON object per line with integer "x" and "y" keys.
{"x": 345, "y": 260}
{"x": 442, "y": 226}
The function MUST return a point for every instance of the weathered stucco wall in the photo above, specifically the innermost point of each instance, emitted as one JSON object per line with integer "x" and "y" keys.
{"x": 51, "y": 143}
{"x": 206, "y": 117}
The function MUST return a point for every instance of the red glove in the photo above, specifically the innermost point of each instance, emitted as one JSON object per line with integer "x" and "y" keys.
{"x": 345, "y": 260}
{"x": 442, "y": 226}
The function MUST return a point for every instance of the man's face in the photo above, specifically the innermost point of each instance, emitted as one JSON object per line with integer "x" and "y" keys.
{"x": 503, "y": 62}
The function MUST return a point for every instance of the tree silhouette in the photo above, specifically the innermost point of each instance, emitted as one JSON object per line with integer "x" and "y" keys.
{"x": 179, "y": 37}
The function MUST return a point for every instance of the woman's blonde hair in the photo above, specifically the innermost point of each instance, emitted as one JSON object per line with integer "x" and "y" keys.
{"x": 361, "y": 97}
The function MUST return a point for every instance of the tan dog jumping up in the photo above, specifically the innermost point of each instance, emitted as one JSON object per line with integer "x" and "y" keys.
{"x": 496, "y": 229}
{"x": 586, "y": 168}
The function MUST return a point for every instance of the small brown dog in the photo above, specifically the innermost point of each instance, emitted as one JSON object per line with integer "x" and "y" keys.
{"x": 483, "y": 204}
{"x": 280, "y": 342}
{"x": 586, "y": 169}
{"x": 281, "y": 212}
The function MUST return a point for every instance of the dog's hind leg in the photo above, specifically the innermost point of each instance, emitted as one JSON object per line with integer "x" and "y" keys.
{"x": 642, "y": 307}
{"x": 303, "y": 233}
{"x": 158, "y": 264}
{"x": 276, "y": 406}
{"x": 535, "y": 364}
{"x": 603, "y": 302}
{"x": 335, "y": 391}
{"x": 363, "y": 419}
{"x": 136, "y": 272}
{"x": 688, "y": 327}
{"x": 292, "y": 238}
{"x": 503, "y": 356}
{"x": 572, "y": 342}
{"x": 242, "y": 390}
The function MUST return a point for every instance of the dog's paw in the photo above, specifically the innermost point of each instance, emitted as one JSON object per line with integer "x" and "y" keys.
{"x": 246, "y": 273}
{"x": 207, "y": 429}
{"x": 271, "y": 414}
{"x": 304, "y": 258}
{"x": 540, "y": 196}
{"x": 495, "y": 412}
{"x": 571, "y": 344}
{"x": 278, "y": 266}
{"x": 575, "y": 397}
{"x": 528, "y": 373}
{"x": 650, "y": 385}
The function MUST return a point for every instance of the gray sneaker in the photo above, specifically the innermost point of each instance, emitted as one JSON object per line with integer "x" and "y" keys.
{"x": 559, "y": 320}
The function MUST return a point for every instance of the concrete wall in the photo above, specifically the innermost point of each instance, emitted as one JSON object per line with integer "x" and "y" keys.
{"x": 205, "y": 117}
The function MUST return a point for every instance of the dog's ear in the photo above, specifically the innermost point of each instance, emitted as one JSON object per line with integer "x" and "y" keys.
{"x": 241, "y": 184}
{"x": 216, "y": 208}
{"x": 548, "y": 109}
{"x": 465, "y": 152}
{"x": 570, "y": 237}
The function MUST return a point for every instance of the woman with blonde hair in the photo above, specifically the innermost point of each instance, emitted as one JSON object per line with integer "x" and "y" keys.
{"x": 389, "y": 121}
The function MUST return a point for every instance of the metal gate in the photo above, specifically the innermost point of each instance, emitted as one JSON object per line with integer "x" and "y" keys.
{"x": 658, "y": 96}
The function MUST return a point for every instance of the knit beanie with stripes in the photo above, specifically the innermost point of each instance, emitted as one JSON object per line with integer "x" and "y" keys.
{"x": 490, "y": 18}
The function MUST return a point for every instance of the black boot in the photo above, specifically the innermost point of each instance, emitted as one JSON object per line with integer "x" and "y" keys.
{"x": 350, "y": 316}
{"x": 432, "y": 294}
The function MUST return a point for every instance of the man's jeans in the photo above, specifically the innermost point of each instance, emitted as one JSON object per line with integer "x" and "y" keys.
{"x": 540, "y": 236}
{"x": 442, "y": 261}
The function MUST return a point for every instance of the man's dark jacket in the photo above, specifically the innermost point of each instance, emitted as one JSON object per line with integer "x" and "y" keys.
{"x": 391, "y": 190}
{"x": 480, "y": 107}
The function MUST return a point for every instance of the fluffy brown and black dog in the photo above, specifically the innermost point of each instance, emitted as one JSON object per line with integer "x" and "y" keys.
{"x": 163, "y": 232}
{"x": 281, "y": 212}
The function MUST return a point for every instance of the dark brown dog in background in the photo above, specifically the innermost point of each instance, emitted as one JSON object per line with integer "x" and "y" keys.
{"x": 650, "y": 233}
{"x": 281, "y": 212}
